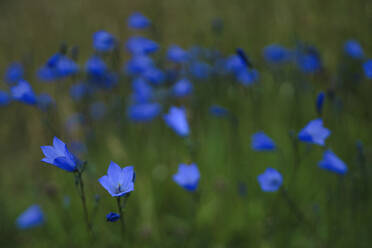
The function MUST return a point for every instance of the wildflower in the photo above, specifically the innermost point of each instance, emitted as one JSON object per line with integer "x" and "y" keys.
{"x": 142, "y": 91}
{"x": 177, "y": 54}
{"x": 176, "y": 119}
{"x": 200, "y": 70}
{"x": 23, "y": 92}
{"x": 60, "y": 156}
{"x": 218, "y": 111}
{"x": 320, "y": 102}
{"x": 31, "y": 217}
{"x": 118, "y": 181}
{"x": 138, "y": 64}
{"x": 138, "y": 45}
{"x": 144, "y": 112}
{"x": 353, "y": 49}
{"x": 103, "y": 41}
{"x": 332, "y": 163}
{"x": 276, "y": 54}
{"x": 138, "y": 21}
{"x": 112, "y": 217}
{"x": 5, "y": 98}
{"x": 154, "y": 75}
{"x": 187, "y": 176}
{"x": 57, "y": 67}
{"x": 308, "y": 60}
{"x": 270, "y": 180}
{"x": 314, "y": 133}
{"x": 14, "y": 73}
{"x": 182, "y": 88}
{"x": 96, "y": 67}
{"x": 247, "y": 76}
{"x": 234, "y": 64}
{"x": 262, "y": 142}
{"x": 243, "y": 57}
{"x": 367, "y": 66}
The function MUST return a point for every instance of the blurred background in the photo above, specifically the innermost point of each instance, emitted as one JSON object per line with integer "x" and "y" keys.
{"x": 229, "y": 208}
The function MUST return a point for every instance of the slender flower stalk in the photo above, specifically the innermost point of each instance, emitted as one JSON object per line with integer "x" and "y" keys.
{"x": 80, "y": 185}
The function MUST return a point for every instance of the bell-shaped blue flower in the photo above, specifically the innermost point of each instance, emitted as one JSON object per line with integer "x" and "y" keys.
{"x": 367, "y": 67}
{"x": 182, "y": 88}
{"x": 314, "y": 133}
{"x": 118, "y": 181}
{"x": 332, "y": 163}
{"x": 14, "y": 73}
{"x": 276, "y": 54}
{"x": 60, "y": 156}
{"x": 187, "y": 176}
{"x": 5, "y": 98}
{"x": 262, "y": 142}
{"x": 138, "y": 45}
{"x": 142, "y": 91}
{"x": 234, "y": 64}
{"x": 31, "y": 217}
{"x": 353, "y": 49}
{"x": 23, "y": 92}
{"x": 112, "y": 217}
{"x": 143, "y": 112}
{"x": 177, "y": 54}
{"x": 309, "y": 62}
{"x": 154, "y": 75}
{"x": 57, "y": 67}
{"x": 138, "y": 64}
{"x": 138, "y": 21}
{"x": 200, "y": 70}
{"x": 270, "y": 180}
{"x": 96, "y": 67}
{"x": 247, "y": 76}
{"x": 103, "y": 41}
{"x": 177, "y": 120}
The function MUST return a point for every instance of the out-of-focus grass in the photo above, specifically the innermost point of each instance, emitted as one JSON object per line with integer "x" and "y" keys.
{"x": 159, "y": 213}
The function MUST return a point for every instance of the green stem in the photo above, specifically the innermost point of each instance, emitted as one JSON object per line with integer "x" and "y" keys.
{"x": 83, "y": 200}
{"x": 121, "y": 214}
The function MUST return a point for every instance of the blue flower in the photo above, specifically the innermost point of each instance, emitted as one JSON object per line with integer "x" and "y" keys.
{"x": 187, "y": 176}
{"x": 138, "y": 21}
{"x": 154, "y": 75}
{"x": 177, "y": 54}
{"x": 138, "y": 64}
{"x": 142, "y": 91}
{"x": 218, "y": 111}
{"x": 243, "y": 57}
{"x": 320, "y": 102}
{"x": 23, "y": 92}
{"x": 262, "y": 142}
{"x": 60, "y": 156}
{"x": 367, "y": 66}
{"x": 353, "y": 49}
{"x": 57, "y": 67}
{"x": 332, "y": 163}
{"x": 79, "y": 91}
{"x": 97, "y": 110}
{"x": 182, "y": 88}
{"x": 234, "y": 64}
{"x": 144, "y": 112}
{"x": 309, "y": 62}
{"x": 200, "y": 70}
{"x": 276, "y": 54}
{"x": 96, "y": 67}
{"x": 31, "y": 217}
{"x": 103, "y": 41}
{"x": 177, "y": 120}
{"x": 14, "y": 73}
{"x": 5, "y": 98}
{"x": 314, "y": 133}
{"x": 112, "y": 217}
{"x": 247, "y": 76}
{"x": 270, "y": 180}
{"x": 118, "y": 181}
{"x": 138, "y": 45}
{"x": 45, "y": 101}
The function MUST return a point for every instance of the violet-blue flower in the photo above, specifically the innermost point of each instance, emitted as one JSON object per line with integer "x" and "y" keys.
{"x": 31, "y": 217}
{"x": 142, "y": 91}
{"x": 177, "y": 120}
{"x": 112, "y": 217}
{"x": 187, "y": 176}
{"x": 276, "y": 54}
{"x": 247, "y": 76}
{"x": 367, "y": 67}
{"x": 138, "y": 21}
{"x": 143, "y": 112}
{"x": 314, "y": 133}
{"x": 14, "y": 73}
{"x": 5, "y": 98}
{"x": 332, "y": 163}
{"x": 261, "y": 142}
{"x": 103, "y": 41}
{"x": 353, "y": 49}
{"x": 218, "y": 111}
{"x": 270, "y": 181}
{"x": 138, "y": 45}
{"x": 23, "y": 92}
{"x": 138, "y": 64}
{"x": 177, "y": 54}
{"x": 182, "y": 88}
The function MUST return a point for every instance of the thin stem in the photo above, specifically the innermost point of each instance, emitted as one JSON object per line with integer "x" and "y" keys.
{"x": 83, "y": 200}
{"x": 121, "y": 214}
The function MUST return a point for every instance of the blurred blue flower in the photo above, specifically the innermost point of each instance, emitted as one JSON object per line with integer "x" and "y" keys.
{"x": 367, "y": 66}
{"x": 309, "y": 62}
{"x": 261, "y": 142}
{"x": 79, "y": 91}
{"x": 97, "y": 110}
{"x": 353, "y": 49}
{"x": 234, "y": 64}
{"x": 143, "y": 112}
{"x": 14, "y": 73}
{"x": 270, "y": 180}
{"x": 177, "y": 120}
{"x": 319, "y": 102}
{"x": 182, "y": 88}
{"x": 332, "y": 163}
{"x": 276, "y": 54}
{"x": 96, "y": 67}
{"x": 243, "y": 57}
{"x": 5, "y": 98}
{"x": 142, "y": 91}
{"x": 45, "y": 101}
{"x": 247, "y": 76}
{"x": 218, "y": 111}
{"x": 177, "y": 54}
{"x": 138, "y": 45}
{"x": 187, "y": 176}
{"x": 138, "y": 64}
{"x": 23, "y": 92}
{"x": 118, "y": 181}
{"x": 154, "y": 75}
{"x": 57, "y": 67}
{"x": 60, "y": 156}
{"x": 103, "y": 41}
{"x": 314, "y": 133}
{"x": 112, "y": 217}
{"x": 31, "y": 217}
{"x": 138, "y": 21}
{"x": 200, "y": 70}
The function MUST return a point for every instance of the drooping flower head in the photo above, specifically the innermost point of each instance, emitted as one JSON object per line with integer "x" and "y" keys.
{"x": 23, "y": 92}
{"x": 58, "y": 155}
{"x": 367, "y": 67}
{"x": 154, "y": 75}
{"x": 138, "y": 64}
{"x": 143, "y": 112}
{"x": 5, "y": 98}
{"x": 177, "y": 120}
{"x": 262, "y": 142}
{"x": 57, "y": 67}
{"x": 320, "y": 102}
{"x": 182, "y": 88}
{"x": 270, "y": 180}
{"x": 308, "y": 59}
{"x": 314, "y": 133}
{"x": 118, "y": 181}
{"x": 177, "y": 54}
{"x": 187, "y": 176}
{"x": 14, "y": 73}
{"x": 96, "y": 67}
{"x": 276, "y": 54}
{"x": 103, "y": 41}
{"x": 31, "y": 217}
{"x": 332, "y": 163}
{"x": 142, "y": 91}
{"x": 112, "y": 217}
{"x": 138, "y": 21}
{"x": 200, "y": 70}
{"x": 138, "y": 45}
{"x": 353, "y": 49}
{"x": 247, "y": 76}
